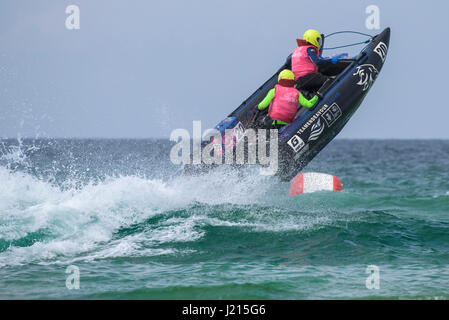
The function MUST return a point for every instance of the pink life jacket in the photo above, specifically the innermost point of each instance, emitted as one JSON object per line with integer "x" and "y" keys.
{"x": 284, "y": 105}
{"x": 301, "y": 62}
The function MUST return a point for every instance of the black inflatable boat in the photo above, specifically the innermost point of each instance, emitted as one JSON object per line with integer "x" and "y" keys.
{"x": 300, "y": 141}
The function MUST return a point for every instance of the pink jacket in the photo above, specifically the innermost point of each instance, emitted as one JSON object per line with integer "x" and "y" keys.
{"x": 284, "y": 105}
{"x": 301, "y": 63}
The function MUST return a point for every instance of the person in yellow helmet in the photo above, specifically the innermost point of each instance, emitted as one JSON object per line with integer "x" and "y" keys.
{"x": 306, "y": 59}
{"x": 283, "y": 100}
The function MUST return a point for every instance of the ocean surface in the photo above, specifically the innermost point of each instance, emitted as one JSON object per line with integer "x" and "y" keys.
{"x": 134, "y": 227}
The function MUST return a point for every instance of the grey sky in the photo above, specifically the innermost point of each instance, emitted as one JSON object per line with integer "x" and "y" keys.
{"x": 143, "y": 68}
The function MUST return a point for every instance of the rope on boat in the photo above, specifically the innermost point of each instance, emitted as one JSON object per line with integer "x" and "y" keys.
{"x": 352, "y": 44}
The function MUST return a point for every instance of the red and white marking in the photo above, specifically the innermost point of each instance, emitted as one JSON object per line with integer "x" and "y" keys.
{"x": 314, "y": 181}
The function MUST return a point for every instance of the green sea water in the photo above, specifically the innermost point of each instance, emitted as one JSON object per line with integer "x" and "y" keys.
{"x": 136, "y": 228}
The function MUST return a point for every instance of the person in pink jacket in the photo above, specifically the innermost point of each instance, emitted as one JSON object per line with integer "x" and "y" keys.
{"x": 306, "y": 59}
{"x": 283, "y": 101}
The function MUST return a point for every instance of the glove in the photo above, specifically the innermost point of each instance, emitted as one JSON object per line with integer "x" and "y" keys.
{"x": 334, "y": 60}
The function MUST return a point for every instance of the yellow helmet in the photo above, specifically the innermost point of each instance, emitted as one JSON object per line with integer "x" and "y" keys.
{"x": 313, "y": 37}
{"x": 286, "y": 74}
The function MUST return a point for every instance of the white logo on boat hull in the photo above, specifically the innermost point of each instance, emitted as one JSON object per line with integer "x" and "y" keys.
{"x": 296, "y": 143}
{"x": 317, "y": 129}
{"x": 381, "y": 50}
{"x": 367, "y": 74}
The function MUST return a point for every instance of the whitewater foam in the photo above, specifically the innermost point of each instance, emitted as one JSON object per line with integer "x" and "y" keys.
{"x": 45, "y": 222}
{"x": 81, "y": 220}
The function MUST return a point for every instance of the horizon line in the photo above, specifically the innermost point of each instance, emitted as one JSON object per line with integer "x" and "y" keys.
{"x": 166, "y": 138}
